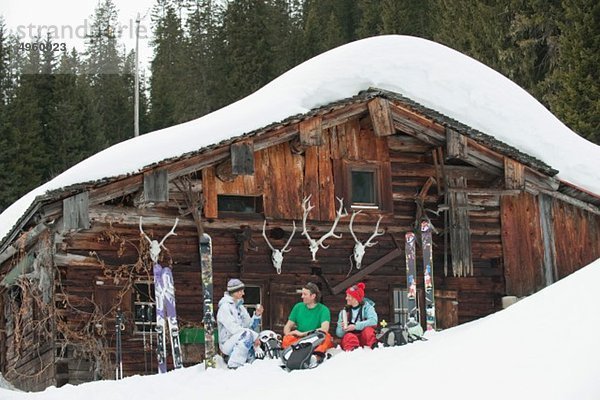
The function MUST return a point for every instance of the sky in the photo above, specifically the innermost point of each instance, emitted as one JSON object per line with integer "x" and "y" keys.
{"x": 426, "y": 72}
{"x": 543, "y": 347}
{"x": 72, "y": 20}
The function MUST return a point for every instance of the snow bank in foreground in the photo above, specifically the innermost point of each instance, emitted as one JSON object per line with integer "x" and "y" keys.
{"x": 543, "y": 347}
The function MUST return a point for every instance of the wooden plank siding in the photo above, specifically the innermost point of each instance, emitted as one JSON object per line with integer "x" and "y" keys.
{"x": 523, "y": 243}
{"x": 577, "y": 237}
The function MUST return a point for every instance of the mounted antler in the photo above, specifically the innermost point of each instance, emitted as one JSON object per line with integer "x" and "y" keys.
{"x": 315, "y": 244}
{"x": 277, "y": 255}
{"x": 155, "y": 246}
{"x": 359, "y": 248}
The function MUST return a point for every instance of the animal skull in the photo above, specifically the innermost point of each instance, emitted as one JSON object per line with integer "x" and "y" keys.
{"x": 359, "y": 248}
{"x": 277, "y": 255}
{"x": 155, "y": 246}
{"x": 315, "y": 244}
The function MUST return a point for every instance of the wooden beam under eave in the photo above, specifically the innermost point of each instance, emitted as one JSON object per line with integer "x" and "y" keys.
{"x": 366, "y": 271}
{"x": 242, "y": 158}
{"x": 514, "y": 174}
{"x": 381, "y": 117}
{"x": 456, "y": 145}
{"x": 311, "y": 131}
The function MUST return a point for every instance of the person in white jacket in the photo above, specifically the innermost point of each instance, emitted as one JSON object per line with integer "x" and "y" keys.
{"x": 237, "y": 330}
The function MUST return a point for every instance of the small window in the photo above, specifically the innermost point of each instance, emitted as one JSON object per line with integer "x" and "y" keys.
{"x": 252, "y": 298}
{"x": 364, "y": 187}
{"x": 400, "y": 305}
{"x": 144, "y": 307}
{"x": 227, "y": 204}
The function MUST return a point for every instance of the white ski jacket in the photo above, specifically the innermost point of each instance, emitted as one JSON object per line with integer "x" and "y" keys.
{"x": 233, "y": 318}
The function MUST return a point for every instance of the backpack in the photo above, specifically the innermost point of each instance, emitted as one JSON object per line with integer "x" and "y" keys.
{"x": 298, "y": 355}
{"x": 399, "y": 335}
{"x": 270, "y": 344}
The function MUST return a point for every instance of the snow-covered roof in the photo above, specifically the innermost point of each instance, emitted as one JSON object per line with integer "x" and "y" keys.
{"x": 426, "y": 72}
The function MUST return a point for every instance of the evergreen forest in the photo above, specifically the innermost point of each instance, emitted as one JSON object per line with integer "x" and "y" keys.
{"x": 59, "y": 107}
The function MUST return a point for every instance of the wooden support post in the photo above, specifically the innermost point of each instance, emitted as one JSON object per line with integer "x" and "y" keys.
{"x": 242, "y": 158}
{"x": 156, "y": 186}
{"x": 381, "y": 116}
{"x": 367, "y": 270}
{"x": 311, "y": 131}
{"x": 456, "y": 145}
{"x": 76, "y": 212}
{"x": 514, "y": 174}
{"x": 460, "y": 230}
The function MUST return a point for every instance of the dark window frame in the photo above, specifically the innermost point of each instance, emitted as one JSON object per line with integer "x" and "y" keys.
{"x": 142, "y": 326}
{"x": 257, "y": 212}
{"x": 376, "y": 189}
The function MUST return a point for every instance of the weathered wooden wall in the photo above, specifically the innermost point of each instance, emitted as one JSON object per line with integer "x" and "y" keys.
{"x": 573, "y": 243}
{"x": 27, "y": 324}
{"x": 522, "y": 240}
{"x": 577, "y": 237}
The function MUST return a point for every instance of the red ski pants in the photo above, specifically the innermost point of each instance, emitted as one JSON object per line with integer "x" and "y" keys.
{"x": 352, "y": 340}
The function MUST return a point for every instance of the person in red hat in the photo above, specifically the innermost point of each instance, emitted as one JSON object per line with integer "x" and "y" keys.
{"x": 357, "y": 320}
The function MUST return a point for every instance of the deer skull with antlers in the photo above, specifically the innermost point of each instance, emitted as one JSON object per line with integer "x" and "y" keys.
{"x": 155, "y": 246}
{"x": 359, "y": 248}
{"x": 277, "y": 255}
{"x": 315, "y": 244}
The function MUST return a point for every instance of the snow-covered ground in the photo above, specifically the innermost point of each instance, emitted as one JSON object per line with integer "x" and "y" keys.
{"x": 426, "y": 72}
{"x": 543, "y": 347}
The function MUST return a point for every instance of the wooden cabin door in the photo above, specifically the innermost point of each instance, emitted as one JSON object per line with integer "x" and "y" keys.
{"x": 282, "y": 297}
{"x": 446, "y": 308}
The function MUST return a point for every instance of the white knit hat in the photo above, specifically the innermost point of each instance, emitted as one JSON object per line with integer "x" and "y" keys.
{"x": 234, "y": 285}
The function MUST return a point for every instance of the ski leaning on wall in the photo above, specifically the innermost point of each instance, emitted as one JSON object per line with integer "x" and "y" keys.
{"x": 207, "y": 289}
{"x": 411, "y": 278}
{"x": 428, "y": 274}
{"x": 169, "y": 303}
{"x": 164, "y": 291}
{"x": 161, "y": 345}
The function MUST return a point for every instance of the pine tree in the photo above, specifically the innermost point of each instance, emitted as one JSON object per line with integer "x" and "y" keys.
{"x": 105, "y": 67}
{"x": 478, "y": 29}
{"x": 28, "y": 158}
{"x": 5, "y": 83}
{"x": 168, "y": 67}
{"x": 6, "y": 132}
{"x": 201, "y": 47}
{"x": 407, "y": 17}
{"x": 531, "y": 49}
{"x": 573, "y": 87}
{"x": 252, "y": 32}
{"x": 369, "y": 18}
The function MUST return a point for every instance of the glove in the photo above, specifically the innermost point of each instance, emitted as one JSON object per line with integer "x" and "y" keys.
{"x": 259, "y": 353}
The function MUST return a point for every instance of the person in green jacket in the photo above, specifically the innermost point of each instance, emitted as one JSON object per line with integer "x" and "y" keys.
{"x": 307, "y": 316}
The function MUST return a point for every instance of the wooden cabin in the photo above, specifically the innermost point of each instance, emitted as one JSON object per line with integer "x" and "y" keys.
{"x": 504, "y": 226}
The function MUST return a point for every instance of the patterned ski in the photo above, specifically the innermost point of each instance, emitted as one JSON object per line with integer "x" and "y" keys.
{"x": 161, "y": 348}
{"x": 411, "y": 279}
{"x": 428, "y": 274}
{"x": 169, "y": 302}
{"x": 207, "y": 288}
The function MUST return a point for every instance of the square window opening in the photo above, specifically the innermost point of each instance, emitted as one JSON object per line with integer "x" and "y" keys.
{"x": 236, "y": 205}
{"x": 144, "y": 307}
{"x": 364, "y": 188}
{"x": 252, "y": 298}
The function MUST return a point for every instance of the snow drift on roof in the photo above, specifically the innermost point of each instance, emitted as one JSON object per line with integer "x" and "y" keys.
{"x": 426, "y": 72}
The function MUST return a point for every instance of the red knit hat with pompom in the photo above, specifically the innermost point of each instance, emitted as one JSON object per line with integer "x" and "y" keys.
{"x": 357, "y": 291}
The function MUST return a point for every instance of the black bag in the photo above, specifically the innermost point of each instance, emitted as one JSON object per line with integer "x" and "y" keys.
{"x": 399, "y": 335}
{"x": 393, "y": 335}
{"x": 297, "y": 356}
